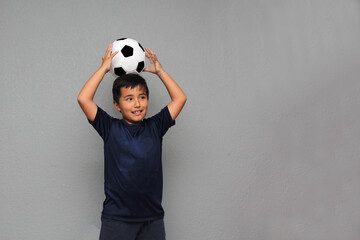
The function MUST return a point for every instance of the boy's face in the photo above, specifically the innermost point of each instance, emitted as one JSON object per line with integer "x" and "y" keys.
{"x": 133, "y": 104}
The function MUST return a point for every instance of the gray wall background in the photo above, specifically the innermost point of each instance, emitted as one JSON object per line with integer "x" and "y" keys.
{"x": 267, "y": 146}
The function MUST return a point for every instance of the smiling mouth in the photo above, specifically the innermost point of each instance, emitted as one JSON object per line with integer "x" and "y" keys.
{"x": 137, "y": 113}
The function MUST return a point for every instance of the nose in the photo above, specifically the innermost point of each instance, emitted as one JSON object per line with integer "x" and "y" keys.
{"x": 137, "y": 103}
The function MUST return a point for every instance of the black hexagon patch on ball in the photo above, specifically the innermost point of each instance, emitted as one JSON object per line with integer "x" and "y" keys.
{"x": 140, "y": 67}
{"x": 119, "y": 71}
{"x": 127, "y": 51}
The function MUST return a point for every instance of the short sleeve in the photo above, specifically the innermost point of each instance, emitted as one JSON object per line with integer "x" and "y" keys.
{"x": 102, "y": 123}
{"x": 163, "y": 120}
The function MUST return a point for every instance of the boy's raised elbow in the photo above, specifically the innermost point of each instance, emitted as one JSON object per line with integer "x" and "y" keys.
{"x": 80, "y": 100}
{"x": 184, "y": 99}
{"x": 181, "y": 100}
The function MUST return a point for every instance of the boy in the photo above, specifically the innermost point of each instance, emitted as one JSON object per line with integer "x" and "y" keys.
{"x": 132, "y": 147}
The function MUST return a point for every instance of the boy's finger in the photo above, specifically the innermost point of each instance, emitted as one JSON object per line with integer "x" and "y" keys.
{"x": 109, "y": 48}
{"x": 151, "y": 59}
{"x": 149, "y": 51}
{"x": 112, "y": 55}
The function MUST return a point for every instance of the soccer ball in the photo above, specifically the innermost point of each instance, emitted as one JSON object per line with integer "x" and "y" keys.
{"x": 129, "y": 59}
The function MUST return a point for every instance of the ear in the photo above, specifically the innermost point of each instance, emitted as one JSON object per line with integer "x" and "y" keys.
{"x": 116, "y": 105}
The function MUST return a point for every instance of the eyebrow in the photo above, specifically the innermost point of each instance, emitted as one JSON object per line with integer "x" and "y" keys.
{"x": 131, "y": 95}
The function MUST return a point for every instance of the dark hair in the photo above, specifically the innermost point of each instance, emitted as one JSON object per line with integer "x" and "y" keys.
{"x": 130, "y": 80}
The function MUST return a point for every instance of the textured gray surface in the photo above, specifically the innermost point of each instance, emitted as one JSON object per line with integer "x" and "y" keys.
{"x": 267, "y": 146}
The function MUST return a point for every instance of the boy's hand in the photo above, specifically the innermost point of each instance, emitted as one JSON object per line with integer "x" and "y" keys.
{"x": 178, "y": 97}
{"x": 155, "y": 66}
{"x": 107, "y": 58}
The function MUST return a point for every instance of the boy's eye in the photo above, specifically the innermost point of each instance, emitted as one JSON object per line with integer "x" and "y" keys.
{"x": 143, "y": 97}
{"x": 129, "y": 99}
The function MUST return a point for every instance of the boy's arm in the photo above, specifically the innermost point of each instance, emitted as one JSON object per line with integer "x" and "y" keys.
{"x": 87, "y": 93}
{"x": 178, "y": 97}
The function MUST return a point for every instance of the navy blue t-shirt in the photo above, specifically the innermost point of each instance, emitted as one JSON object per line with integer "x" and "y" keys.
{"x": 133, "y": 166}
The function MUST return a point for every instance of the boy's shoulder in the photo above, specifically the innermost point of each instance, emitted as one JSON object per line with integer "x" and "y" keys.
{"x": 162, "y": 120}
